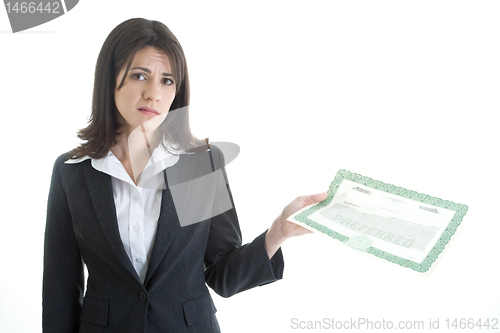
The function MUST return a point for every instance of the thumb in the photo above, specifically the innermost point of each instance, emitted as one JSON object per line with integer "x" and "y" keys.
{"x": 314, "y": 198}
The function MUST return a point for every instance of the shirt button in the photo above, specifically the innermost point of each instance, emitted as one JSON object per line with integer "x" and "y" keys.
{"x": 138, "y": 260}
{"x": 143, "y": 297}
{"x": 136, "y": 198}
{"x": 136, "y": 228}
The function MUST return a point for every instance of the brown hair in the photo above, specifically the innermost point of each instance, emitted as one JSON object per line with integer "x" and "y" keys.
{"x": 118, "y": 51}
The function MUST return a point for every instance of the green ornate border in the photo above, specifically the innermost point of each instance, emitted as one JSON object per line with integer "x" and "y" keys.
{"x": 460, "y": 210}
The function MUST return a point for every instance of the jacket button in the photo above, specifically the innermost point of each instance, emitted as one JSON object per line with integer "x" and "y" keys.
{"x": 143, "y": 297}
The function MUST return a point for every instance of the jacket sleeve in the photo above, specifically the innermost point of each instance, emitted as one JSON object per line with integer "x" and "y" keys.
{"x": 231, "y": 267}
{"x": 63, "y": 266}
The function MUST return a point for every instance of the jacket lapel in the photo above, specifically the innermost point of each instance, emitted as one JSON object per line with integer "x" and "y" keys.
{"x": 168, "y": 225}
{"x": 168, "y": 222}
{"x": 101, "y": 193}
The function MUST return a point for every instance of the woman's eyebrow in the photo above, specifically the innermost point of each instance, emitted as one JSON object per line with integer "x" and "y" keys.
{"x": 149, "y": 72}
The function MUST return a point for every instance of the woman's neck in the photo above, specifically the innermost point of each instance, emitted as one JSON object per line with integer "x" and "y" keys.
{"x": 134, "y": 150}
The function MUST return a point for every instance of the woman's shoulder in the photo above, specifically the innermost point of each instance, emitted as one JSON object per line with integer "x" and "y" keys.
{"x": 224, "y": 152}
{"x": 62, "y": 158}
{"x": 65, "y": 165}
{"x": 215, "y": 150}
{"x": 67, "y": 158}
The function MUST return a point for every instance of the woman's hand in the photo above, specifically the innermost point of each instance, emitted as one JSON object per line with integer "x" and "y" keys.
{"x": 281, "y": 229}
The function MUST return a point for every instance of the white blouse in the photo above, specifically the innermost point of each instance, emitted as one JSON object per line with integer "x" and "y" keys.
{"x": 137, "y": 206}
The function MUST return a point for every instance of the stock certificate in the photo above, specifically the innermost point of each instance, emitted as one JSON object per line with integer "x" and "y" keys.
{"x": 404, "y": 227}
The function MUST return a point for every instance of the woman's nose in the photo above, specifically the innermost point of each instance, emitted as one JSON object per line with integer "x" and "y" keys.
{"x": 152, "y": 91}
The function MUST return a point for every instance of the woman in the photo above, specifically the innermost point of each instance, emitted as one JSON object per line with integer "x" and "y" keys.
{"x": 146, "y": 206}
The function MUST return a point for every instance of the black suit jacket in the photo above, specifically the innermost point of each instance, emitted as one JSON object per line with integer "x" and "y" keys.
{"x": 82, "y": 228}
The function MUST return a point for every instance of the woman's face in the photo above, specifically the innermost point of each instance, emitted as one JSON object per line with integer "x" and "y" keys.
{"x": 147, "y": 91}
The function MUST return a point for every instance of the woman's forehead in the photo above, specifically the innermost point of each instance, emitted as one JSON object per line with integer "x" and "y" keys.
{"x": 150, "y": 54}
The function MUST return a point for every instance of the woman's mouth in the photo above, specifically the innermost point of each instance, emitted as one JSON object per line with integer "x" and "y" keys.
{"x": 148, "y": 111}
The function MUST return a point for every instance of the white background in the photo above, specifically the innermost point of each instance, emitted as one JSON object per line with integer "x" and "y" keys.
{"x": 406, "y": 92}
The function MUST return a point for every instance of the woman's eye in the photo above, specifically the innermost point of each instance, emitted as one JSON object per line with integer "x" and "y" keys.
{"x": 167, "y": 81}
{"x": 138, "y": 76}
